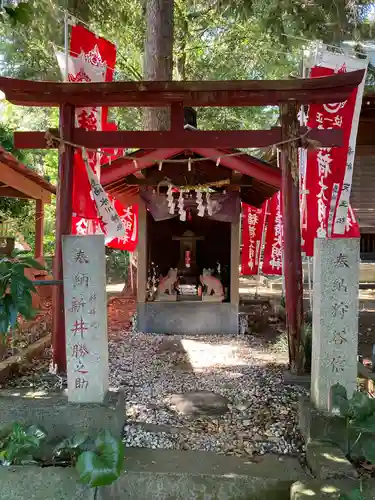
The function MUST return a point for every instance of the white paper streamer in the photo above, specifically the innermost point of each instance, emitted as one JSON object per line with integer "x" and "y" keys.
{"x": 209, "y": 204}
{"x": 181, "y": 211}
{"x": 200, "y": 206}
{"x": 114, "y": 227}
{"x": 170, "y": 200}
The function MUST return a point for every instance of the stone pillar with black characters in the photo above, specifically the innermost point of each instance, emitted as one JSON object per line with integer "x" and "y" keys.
{"x": 335, "y": 318}
{"x": 85, "y": 318}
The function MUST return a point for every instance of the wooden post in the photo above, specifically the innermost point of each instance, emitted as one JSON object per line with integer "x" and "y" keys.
{"x": 235, "y": 240}
{"x": 63, "y": 226}
{"x": 292, "y": 234}
{"x": 177, "y": 116}
{"x": 39, "y": 228}
{"x": 142, "y": 254}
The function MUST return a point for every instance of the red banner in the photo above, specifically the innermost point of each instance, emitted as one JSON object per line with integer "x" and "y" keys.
{"x": 96, "y": 59}
{"x": 97, "y": 50}
{"x": 99, "y": 57}
{"x": 129, "y": 217}
{"x": 253, "y": 220}
{"x": 326, "y": 167}
{"x": 273, "y": 249}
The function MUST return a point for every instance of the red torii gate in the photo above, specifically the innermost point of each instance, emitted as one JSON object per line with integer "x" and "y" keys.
{"x": 289, "y": 95}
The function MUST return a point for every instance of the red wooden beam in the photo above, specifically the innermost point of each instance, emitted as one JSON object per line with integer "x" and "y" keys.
{"x": 63, "y": 226}
{"x": 179, "y": 139}
{"x": 327, "y": 89}
{"x": 246, "y": 165}
{"x": 115, "y": 171}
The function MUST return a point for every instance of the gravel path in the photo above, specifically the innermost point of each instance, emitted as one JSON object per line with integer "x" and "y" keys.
{"x": 215, "y": 393}
{"x": 240, "y": 405}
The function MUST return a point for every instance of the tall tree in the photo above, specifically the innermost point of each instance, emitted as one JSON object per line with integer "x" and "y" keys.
{"x": 158, "y": 55}
{"x": 329, "y": 21}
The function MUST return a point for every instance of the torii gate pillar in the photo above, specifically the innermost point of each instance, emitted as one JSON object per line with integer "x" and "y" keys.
{"x": 63, "y": 226}
{"x": 292, "y": 234}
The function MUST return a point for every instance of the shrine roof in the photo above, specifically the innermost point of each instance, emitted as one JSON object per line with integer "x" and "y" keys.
{"x": 19, "y": 181}
{"x": 255, "y": 179}
{"x": 198, "y": 93}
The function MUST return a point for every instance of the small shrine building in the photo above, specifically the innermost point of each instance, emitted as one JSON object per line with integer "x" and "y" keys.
{"x": 195, "y": 246}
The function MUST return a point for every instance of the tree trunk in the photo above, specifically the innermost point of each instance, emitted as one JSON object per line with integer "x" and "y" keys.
{"x": 158, "y": 58}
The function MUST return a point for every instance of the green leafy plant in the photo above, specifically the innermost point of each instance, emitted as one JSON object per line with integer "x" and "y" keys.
{"x": 99, "y": 462}
{"x": 18, "y": 443}
{"x": 15, "y": 290}
{"x": 353, "y": 495}
{"x": 103, "y": 464}
{"x": 70, "y": 448}
{"x": 359, "y": 415}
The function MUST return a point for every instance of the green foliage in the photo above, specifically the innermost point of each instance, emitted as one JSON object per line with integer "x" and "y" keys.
{"x": 18, "y": 443}
{"x": 353, "y": 495}
{"x": 117, "y": 264}
{"x": 70, "y": 448}
{"x": 15, "y": 290}
{"x": 98, "y": 463}
{"x": 19, "y": 14}
{"x": 102, "y": 465}
{"x": 331, "y": 22}
{"x": 359, "y": 414}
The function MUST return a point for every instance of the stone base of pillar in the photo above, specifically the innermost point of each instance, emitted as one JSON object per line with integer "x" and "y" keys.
{"x": 60, "y": 418}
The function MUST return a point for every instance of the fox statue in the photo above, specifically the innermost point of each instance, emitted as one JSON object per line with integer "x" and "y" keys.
{"x": 167, "y": 283}
{"x": 213, "y": 284}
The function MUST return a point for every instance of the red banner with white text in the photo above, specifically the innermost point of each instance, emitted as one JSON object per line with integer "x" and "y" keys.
{"x": 92, "y": 59}
{"x": 273, "y": 249}
{"x": 129, "y": 218}
{"x": 326, "y": 167}
{"x": 98, "y": 51}
{"x": 253, "y": 220}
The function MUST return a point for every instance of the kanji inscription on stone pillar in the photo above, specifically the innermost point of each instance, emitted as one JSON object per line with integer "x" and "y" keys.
{"x": 85, "y": 318}
{"x": 335, "y": 318}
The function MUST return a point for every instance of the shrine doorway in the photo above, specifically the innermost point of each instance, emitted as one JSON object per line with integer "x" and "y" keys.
{"x": 211, "y": 244}
{"x": 191, "y": 246}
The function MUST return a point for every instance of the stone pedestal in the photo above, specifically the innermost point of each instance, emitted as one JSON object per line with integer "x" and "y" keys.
{"x": 85, "y": 318}
{"x": 335, "y": 318}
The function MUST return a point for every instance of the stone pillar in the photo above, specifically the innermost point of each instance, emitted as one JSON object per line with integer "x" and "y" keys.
{"x": 235, "y": 263}
{"x": 142, "y": 253}
{"x": 335, "y": 318}
{"x": 85, "y": 318}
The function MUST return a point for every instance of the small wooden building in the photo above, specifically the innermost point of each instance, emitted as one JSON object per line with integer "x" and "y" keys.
{"x": 18, "y": 181}
{"x": 363, "y": 187}
{"x": 199, "y": 242}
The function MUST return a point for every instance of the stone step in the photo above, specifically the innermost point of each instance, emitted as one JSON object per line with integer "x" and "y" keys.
{"x": 190, "y": 475}
{"x": 162, "y": 475}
